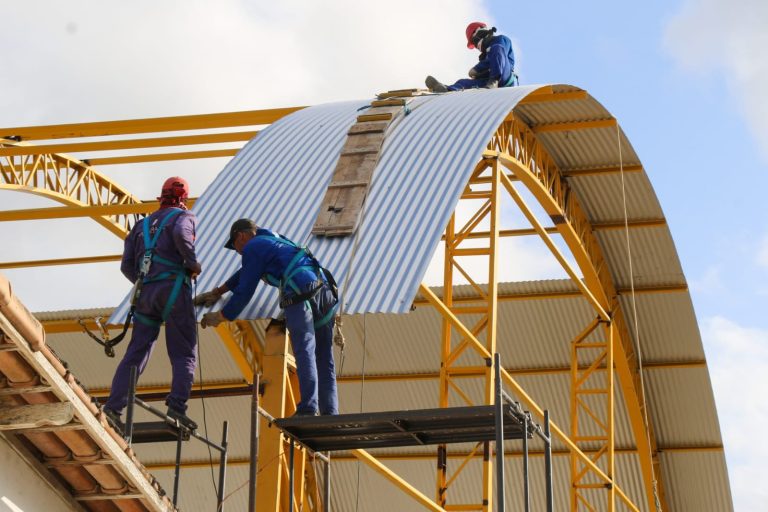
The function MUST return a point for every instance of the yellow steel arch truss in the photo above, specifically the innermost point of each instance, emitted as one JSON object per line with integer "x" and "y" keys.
{"x": 513, "y": 154}
{"x": 68, "y": 181}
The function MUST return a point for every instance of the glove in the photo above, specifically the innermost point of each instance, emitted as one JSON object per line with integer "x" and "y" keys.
{"x": 207, "y": 299}
{"x": 212, "y": 319}
{"x": 492, "y": 84}
{"x": 472, "y": 73}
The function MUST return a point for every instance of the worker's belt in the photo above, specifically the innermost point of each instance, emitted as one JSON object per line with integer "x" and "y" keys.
{"x": 290, "y": 300}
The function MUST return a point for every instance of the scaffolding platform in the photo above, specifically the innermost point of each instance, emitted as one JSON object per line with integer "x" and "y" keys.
{"x": 402, "y": 428}
{"x": 157, "y": 432}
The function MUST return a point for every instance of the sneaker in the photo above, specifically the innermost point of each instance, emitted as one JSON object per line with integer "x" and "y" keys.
{"x": 113, "y": 418}
{"x": 434, "y": 85}
{"x": 181, "y": 418}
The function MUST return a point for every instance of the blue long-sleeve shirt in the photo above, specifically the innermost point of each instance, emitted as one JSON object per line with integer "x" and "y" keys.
{"x": 497, "y": 60}
{"x": 176, "y": 243}
{"x": 262, "y": 256}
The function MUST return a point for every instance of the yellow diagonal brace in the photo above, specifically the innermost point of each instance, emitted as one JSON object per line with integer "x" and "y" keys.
{"x": 553, "y": 248}
{"x": 395, "y": 479}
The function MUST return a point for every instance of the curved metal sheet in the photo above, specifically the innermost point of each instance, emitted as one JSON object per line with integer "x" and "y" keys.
{"x": 279, "y": 179}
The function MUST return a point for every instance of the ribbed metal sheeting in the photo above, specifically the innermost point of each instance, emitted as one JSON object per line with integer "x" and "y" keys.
{"x": 279, "y": 179}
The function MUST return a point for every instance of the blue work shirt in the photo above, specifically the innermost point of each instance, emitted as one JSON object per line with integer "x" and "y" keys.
{"x": 176, "y": 243}
{"x": 262, "y": 256}
{"x": 498, "y": 60}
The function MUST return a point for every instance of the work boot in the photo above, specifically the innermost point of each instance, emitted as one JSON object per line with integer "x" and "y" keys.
{"x": 301, "y": 414}
{"x": 434, "y": 85}
{"x": 113, "y": 418}
{"x": 181, "y": 418}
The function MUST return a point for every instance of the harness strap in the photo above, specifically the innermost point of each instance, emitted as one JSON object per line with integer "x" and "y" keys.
{"x": 177, "y": 271}
{"x": 513, "y": 80}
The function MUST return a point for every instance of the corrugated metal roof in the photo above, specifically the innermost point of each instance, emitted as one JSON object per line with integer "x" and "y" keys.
{"x": 279, "y": 179}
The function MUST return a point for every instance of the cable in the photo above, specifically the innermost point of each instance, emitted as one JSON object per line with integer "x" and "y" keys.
{"x": 202, "y": 398}
{"x": 635, "y": 320}
{"x": 362, "y": 388}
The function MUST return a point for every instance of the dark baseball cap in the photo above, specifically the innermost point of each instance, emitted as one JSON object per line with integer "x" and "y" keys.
{"x": 238, "y": 226}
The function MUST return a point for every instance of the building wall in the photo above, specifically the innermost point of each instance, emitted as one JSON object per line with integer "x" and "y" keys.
{"x": 22, "y": 489}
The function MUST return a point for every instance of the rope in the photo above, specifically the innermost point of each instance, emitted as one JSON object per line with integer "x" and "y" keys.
{"x": 635, "y": 320}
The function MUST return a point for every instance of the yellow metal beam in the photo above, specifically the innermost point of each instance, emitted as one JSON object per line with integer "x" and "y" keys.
{"x": 598, "y": 171}
{"x": 548, "y": 96}
{"x": 163, "y": 157}
{"x": 157, "y": 124}
{"x": 61, "y": 261}
{"x": 67, "y": 212}
{"x": 574, "y": 126}
{"x": 114, "y": 145}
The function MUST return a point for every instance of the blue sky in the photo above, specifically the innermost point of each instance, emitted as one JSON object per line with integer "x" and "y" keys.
{"x": 686, "y": 80}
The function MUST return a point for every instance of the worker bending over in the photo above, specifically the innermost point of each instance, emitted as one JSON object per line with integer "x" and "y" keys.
{"x": 160, "y": 252}
{"x": 497, "y": 62}
{"x": 307, "y": 295}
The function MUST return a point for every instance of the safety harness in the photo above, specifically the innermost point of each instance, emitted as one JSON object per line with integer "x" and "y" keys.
{"x": 286, "y": 283}
{"x": 176, "y": 272}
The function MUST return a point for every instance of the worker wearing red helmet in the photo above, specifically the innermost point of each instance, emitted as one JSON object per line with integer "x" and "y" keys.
{"x": 167, "y": 237}
{"x": 496, "y": 66}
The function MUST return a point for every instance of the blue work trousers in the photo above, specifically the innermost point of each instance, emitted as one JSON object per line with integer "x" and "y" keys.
{"x": 180, "y": 341}
{"x": 313, "y": 350}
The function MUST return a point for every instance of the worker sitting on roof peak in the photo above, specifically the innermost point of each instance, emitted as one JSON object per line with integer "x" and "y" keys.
{"x": 160, "y": 252}
{"x": 497, "y": 62}
{"x": 307, "y": 295}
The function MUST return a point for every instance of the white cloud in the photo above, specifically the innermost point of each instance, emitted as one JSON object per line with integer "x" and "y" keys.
{"x": 737, "y": 357}
{"x": 726, "y": 39}
{"x": 91, "y": 61}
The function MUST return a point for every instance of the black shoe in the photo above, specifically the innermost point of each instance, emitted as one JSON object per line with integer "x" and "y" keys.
{"x": 434, "y": 85}
{"x": 300, "y": 414}
{"x": 181, "y": 418}
{"x": 113, "y": 418}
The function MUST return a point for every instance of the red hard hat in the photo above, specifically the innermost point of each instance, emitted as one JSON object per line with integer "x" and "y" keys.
{"x": 471, "y": 30}
{"x": 175, "y": 187}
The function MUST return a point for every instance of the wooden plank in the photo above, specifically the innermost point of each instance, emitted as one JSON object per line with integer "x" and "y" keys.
{"x": 350, "y": 168}
{"x": 389, "y": 102}
{"x": 51, "y": 428}
{"x": 21, "y": 391}
{"x": 345, "y": 184}
{"x": 386, "y": 116}
{"x": 76, "y": 463}
{"x": 112, "y": 497}
{"x": 363, "y": 143}
{"x": 372, "y": 127}
{"x": 39, "y": 415}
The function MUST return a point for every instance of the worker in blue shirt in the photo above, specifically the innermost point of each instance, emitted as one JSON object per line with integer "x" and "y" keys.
{"x": 307, "y": 296}
{"x": 497, "y": 62}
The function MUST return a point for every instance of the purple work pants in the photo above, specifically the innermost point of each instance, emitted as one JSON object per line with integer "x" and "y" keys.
{"x": 180, "y": 341}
